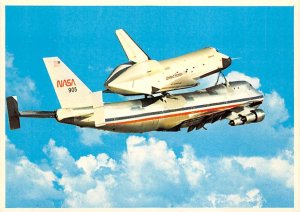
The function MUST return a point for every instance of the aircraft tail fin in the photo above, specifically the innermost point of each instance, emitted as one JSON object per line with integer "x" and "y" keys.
{"x": 132, "y": 50}
{"x": 70, "y": 90}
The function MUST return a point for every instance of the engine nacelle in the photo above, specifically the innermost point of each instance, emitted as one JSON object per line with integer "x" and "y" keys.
{"x": 255, "y": 116}
{"x": 236, "y": 122}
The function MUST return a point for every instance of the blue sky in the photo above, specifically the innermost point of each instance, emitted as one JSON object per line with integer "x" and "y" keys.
{"x": 197, "y": 164}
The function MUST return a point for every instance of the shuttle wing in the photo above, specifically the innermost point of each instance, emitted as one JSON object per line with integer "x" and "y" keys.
{"x": 132, "y": 50}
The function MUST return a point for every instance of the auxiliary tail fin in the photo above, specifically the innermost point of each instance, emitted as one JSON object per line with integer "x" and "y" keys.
{"x": 70, "y": 90}
{"x": 14, "y": 114}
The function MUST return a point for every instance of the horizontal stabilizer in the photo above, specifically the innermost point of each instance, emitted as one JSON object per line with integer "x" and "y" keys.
{"x": 38, "y": 114}
{"x": 132, "y": 50}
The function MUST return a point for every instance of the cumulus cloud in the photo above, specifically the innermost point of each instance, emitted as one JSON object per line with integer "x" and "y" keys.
{"x": 91, "y": 137}
{"x": 17, "y": 85}
{"x": 276, "y": 168}
{"x": 275, "y": 105}
{"x": 231, "y": 76}
{"x": 252, "y": 198}
{"x": 235, "y": 76}
{"x": 61, "y": 160}
{"x": 90, "y": 163}
{"x": 82, "y": 180}
{"x": 193, "y": 168}
{"x": 154, "y": 155}
{"x": 149, "y": 174}
{"x": 27, "y": 184}
{"x": 273, "y": 126}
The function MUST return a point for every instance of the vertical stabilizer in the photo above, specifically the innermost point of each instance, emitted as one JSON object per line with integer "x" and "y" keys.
{"x": 132, "y": 50}
{"x": 70, "y": 90}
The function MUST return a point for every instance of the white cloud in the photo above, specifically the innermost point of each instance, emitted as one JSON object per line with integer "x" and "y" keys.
{"x": 149, "y": 169}
{"x": 91, "y": 163}
{"x": 274, "y": 104}
{"x": 252, "y": 198}
{"x": 91, "y": 137}
{"x": 236, "y": 76}
{"x": 231, "y": 76}
{"x": 27, "y": 184}
{"x": 95, "y": 197}
{"x": 23, "y": 87}
{"x": 61, "y": 160}
{"x": 82, "y": 180}
{"x": 192, "y": 167}
{"x": 154, "y": 156}
{"x": 149, "y": 174}
{"x": 276, "y": 168}
{"x": 87, "y": 163}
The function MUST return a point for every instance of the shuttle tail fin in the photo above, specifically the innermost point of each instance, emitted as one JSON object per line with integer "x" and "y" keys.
{"x": 70, "y": 90}
{"x": 132, "y": 50}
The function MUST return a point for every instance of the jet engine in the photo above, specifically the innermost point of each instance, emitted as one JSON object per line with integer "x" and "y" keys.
{"x": 254, "y": 116}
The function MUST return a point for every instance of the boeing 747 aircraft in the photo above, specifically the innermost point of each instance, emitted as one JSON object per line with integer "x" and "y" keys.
{"x": 236, "y": 101}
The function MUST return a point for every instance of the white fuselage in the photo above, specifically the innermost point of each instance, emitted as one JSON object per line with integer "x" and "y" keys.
{"x": 153, "y": 76}
{"x": 162, "y": 113}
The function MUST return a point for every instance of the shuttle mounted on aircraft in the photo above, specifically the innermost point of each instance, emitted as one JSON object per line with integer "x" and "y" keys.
{"x": 236, "y": 101}
{"x": 143, "y": 75}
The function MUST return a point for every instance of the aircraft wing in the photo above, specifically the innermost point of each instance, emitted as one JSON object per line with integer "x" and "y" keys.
{"x": 132, "y": 50}
{"x": 231, "y": 114}
{"x": 199, "y": 123}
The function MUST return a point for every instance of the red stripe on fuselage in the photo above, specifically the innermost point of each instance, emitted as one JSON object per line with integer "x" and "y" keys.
{"x": 172, "y": 115}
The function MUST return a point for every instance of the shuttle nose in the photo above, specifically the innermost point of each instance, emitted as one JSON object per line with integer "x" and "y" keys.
{"x": 116, "y": 87}
{"x": 226, "y": 62}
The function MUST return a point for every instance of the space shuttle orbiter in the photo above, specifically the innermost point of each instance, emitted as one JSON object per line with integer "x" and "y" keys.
{"x": 143, "y": 75}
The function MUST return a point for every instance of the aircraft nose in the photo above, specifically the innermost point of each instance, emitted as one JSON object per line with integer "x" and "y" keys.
{"x": 226, "y": 62}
